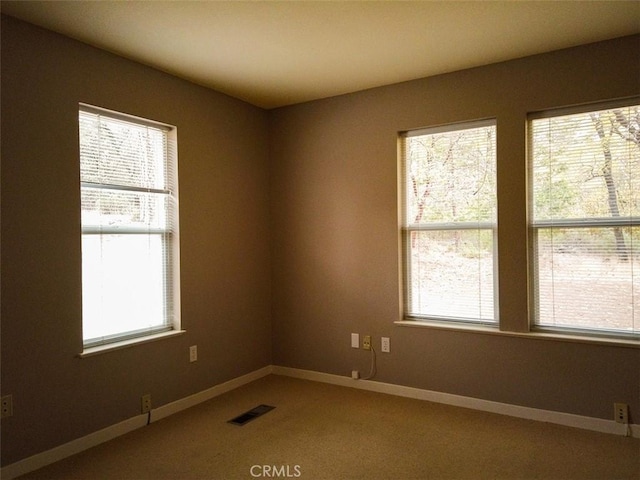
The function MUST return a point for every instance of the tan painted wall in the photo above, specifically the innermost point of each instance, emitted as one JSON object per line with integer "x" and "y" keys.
{"x": 222, "y": 148}
{"x": 335, "y": 236}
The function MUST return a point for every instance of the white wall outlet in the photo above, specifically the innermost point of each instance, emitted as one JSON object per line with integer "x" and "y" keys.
{"x": 621, "y": 412}
{"x": 145, "y": 403}
{"x": 193, "y": 353}
{"x": 355, "y": 340}
{"x": 385, "y": 344}
{"x": 355, "y": 374}
{"x": 6, "y": 405}
{"x": 366, "y": 343}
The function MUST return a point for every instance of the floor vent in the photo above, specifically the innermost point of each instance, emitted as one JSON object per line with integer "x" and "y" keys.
{"x": 251, "y": 415}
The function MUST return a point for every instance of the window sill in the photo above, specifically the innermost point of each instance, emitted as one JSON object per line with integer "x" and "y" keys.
{"x": 552, "y": 336}
{"x": 100, "y": 349}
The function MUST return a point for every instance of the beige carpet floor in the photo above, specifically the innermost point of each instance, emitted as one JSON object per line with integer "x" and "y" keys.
{"x": 320, "y": 431}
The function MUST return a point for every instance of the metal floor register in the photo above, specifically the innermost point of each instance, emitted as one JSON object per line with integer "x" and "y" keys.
{"x": 251, "y": 415}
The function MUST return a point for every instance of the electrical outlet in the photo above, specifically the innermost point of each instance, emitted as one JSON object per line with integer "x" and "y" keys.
{"x": 146, "y": 403}
{"x": 193, "y": 353}
{"x": 366, "y": 343}
{"x": 385, "y": 344}
{"x": 6, "y": 409}
{"x": 355, "y": 374}
{"x": 621, "y": 412}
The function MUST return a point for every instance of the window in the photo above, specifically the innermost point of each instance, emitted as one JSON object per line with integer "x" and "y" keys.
{"x": 585, "y": 219}
{"x": 128, "y": 170}
{"x": 448, "y": 229}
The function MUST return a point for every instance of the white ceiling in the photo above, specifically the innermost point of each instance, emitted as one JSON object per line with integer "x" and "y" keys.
{"x": 273, "y": 53}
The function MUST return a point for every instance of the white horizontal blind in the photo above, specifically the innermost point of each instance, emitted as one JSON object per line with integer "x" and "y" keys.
{"x": 449, "y": 223}
{"x": 585, "y": 217}
{"x": 129, "y": 227}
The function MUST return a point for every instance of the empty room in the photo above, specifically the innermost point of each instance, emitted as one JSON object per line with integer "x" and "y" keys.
{"x": 320, "y": 240}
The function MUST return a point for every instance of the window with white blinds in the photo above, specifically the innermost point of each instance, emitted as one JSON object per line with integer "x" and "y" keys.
{"x": 585, "y": 218}
{"x": 128, "y": 173}
{"x": 448, "y": 231}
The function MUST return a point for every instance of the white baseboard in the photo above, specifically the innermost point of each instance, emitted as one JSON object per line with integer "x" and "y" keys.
{"x": 109, "y": 433}
{"x": 71, "y": 448}
{"x": 559, "y": 418}
{"x": 93, "y": 439}
{"x": 208, "y": 394}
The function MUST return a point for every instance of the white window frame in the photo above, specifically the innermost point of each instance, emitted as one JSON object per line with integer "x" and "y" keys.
{"x": 536, "y": 226}
{"x": 169, "y": 235}
{"x": 407, "y": 229}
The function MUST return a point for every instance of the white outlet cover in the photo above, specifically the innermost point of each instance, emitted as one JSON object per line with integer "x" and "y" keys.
{"x": 355, "y": 340}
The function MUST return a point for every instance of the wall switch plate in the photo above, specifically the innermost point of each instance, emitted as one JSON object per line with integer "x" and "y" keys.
{"x": 193, "y": 353}
{"x": 355, "y": 340}
{"x": 366, "y": 343}
{"x": 385, "y": 344}
{"x": 145, "y": 405}
{"x": 6, "y": 409}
